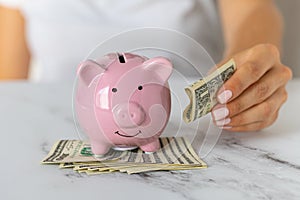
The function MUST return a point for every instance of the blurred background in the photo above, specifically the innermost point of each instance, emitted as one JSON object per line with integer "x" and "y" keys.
{"x": 53, "y": 36}
{"x": 291, "y": 40}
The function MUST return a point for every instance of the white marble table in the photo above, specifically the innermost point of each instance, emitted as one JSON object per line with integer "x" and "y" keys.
{"x": 259, "y": 165}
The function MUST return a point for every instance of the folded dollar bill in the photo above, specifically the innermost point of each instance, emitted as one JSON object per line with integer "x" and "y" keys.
{"x": 176, "y": 153}
{"x": 202, "y": 93}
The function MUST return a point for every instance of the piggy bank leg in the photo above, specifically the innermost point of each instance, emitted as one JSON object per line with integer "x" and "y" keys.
{"x": 151, "y": 147}
{"x": 99, "y": 149}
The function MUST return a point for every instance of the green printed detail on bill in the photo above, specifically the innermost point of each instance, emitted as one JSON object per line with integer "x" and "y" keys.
{"x": 86, "y": 151}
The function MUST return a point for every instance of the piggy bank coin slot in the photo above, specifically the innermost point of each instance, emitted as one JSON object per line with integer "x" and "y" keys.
{"x": 121, "y": 58}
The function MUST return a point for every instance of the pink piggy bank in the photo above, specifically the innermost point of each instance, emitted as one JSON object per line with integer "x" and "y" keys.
{"x": 123, "y": 101}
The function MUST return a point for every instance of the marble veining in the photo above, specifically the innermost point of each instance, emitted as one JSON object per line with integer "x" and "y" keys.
{"x": 258, "y": 165}
{"x": 252, "y": 182}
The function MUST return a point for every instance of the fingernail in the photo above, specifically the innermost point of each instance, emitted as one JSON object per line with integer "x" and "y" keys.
{"x": 224, "y": 96}
{"x": 220, "y": 113}
{"x": 226, "y": 127}
{"x": 223, "y": 122}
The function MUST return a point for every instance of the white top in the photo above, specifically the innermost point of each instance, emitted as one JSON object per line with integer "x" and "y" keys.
{"x": 61, "y": 33}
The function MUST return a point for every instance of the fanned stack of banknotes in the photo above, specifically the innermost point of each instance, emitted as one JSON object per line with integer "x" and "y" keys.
{"x": 176, "y": 153}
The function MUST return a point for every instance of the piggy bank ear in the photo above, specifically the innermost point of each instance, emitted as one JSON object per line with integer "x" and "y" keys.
{"x": 88, "y": 71}
{"x": 161, "y": 66}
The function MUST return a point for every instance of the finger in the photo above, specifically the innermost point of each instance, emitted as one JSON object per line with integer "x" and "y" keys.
{"x": 259, "y": 113}
{"x": 259, "y": 92}
{"x": 217, "y": 66}
{"x": 253, "y": 126}
{"x": 251, "y": 66}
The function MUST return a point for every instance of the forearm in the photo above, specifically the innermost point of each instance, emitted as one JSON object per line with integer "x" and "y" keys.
{"x": 249, "y": 22}
{"x": 14, "y": 55}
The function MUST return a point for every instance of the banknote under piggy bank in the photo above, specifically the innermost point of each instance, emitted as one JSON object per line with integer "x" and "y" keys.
{"x": 123, "y": 101}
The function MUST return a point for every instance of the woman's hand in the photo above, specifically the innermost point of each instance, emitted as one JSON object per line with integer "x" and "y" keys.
{"x": 250, "y": 100}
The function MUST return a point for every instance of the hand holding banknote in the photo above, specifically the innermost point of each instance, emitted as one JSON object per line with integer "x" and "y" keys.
{"x": 251, "y": 98}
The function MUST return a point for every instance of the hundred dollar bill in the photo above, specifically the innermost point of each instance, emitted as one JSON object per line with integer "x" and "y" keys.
{"x": 175, "y": 153}
{"x": 202, "y": 93}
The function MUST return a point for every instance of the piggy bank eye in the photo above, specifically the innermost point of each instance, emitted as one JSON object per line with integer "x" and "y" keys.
{"x": 140, "y": 87}
{"x": 114, "y": 90}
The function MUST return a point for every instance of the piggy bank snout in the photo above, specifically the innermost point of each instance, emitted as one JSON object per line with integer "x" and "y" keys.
{"x": 129, "y": 115}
